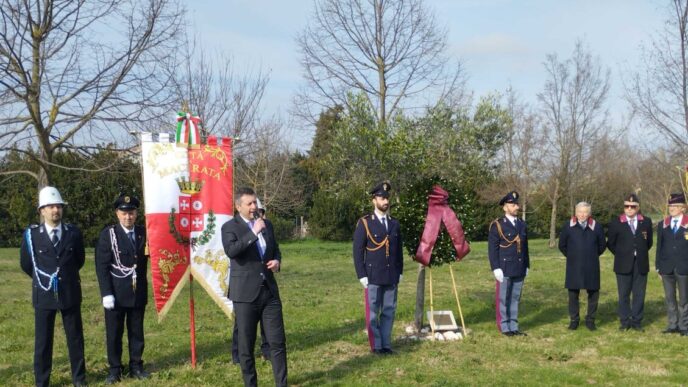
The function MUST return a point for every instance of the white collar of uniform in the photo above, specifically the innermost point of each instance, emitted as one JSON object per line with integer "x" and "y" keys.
{"x": 49, "y": 229}
{"x": 380, "y": 215}
{"x": 512, "y": 219}
{"x": 126, "y": 230}
{"x": 676, "y": 218}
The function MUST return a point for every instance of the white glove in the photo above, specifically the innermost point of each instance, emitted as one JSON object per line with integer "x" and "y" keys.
{"x": 364, "y": 282}
{"x": 499, "y": 275}
{"x": 400, "y": 277}
{"x": 109, "y": 302}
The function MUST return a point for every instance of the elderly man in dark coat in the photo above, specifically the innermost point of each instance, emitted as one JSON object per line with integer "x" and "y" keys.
{"x": 582, "y": 242}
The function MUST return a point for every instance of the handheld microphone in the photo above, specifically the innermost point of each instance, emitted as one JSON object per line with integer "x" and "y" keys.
{"x": 256, "y": 216}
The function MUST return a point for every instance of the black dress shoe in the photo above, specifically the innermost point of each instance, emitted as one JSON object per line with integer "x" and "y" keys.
{"x": 590, "y": 325}
{"x": 378, "y": 352}
{"x": 112, "y": 379}
{"x": 509, "y": 334}
{"x": 573, "y": 325}
{"x": 519, "y": 333}
{"x": 637, "y": 328}
{"x": 624, "y": 327}
{"x": 671, "y": 330}
{"x": 139, "y": 374}
{"x": 684, "y": 333}
{"x": 387, "y": 351}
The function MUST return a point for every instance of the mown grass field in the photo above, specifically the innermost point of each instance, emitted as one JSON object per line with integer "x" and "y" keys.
{"x": 327, "y": 345}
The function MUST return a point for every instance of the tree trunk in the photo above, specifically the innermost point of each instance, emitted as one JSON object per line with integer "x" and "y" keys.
{"x": 420, "y": 298}
{"x": 553, "y": 218}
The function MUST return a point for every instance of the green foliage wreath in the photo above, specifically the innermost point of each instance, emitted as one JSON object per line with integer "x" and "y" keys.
{"x": 413, "y": 207}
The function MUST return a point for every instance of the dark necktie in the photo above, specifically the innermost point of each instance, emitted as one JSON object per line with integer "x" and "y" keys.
{"x": 54, "y": 238}
{"x": 384, "y": 223}
{"x": 675, "y": 227}
{"x": 130, "y": 234}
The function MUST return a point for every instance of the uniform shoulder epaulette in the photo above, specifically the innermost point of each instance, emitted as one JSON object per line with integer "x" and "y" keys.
{"x": 367, "y": 216}
{"x": 33, "y": 225}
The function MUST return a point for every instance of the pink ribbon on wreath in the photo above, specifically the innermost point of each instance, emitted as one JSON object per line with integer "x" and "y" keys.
{"x": 439, "y": 213}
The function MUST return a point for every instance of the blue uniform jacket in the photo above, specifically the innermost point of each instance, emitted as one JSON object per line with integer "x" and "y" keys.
{"x": 69, "y": 256}
{"x": 503, "y": 249}
{"x": 122, "y": 288}
{"x": 671, "y": 256}
{"x": 370, "y": 256}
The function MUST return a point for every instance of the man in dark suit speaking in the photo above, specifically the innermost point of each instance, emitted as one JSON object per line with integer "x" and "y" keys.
{"x": 249, "y": 242}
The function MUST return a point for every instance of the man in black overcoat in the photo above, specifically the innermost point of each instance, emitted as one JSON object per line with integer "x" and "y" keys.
{"x": 582, "y": 242}
{"x": 52, "y": 254}
{"x": 249, "y": 242}
{"x": 121, "y": 263}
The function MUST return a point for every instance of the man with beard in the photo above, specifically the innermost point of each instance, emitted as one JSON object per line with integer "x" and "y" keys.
{"x": 507, "y": 248}
{"x": 379, "y": 265}
{"x": 52, "y": 254}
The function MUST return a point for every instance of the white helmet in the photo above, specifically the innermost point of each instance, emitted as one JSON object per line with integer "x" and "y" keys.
{"x": 48, "y": 196}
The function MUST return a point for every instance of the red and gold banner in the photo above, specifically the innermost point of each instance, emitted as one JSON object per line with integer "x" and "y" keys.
{"x": 188, "y": 197}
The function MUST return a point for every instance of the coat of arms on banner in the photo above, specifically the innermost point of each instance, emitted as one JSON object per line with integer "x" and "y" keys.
{"x": 188, "y": 196}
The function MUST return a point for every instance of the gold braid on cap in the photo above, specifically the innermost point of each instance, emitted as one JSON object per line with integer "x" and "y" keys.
{"x": 516, "y": 240}
{"x": 378, "y": 245}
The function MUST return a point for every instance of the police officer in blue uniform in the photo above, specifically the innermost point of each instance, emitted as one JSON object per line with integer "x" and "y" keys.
{"x": 509, "y": 261}
{"x": 121, "y": 263}
{"x": 52, "y": 255}
{"x": 379, "y": 266}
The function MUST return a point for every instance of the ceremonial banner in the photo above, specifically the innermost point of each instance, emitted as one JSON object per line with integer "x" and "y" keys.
{"x": 188, "y": 197}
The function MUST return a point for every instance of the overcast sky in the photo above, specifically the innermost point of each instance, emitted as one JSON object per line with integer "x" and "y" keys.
{"x": 500, "y": 42}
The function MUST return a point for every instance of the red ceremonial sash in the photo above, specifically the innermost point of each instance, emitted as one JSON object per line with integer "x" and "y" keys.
{"x": 440, "y": 213}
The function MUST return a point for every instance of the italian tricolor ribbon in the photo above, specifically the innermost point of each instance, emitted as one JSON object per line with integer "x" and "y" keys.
{"x": 188, "y": 129}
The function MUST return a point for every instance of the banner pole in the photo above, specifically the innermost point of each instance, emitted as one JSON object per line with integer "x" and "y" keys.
{"x": 192, "y": 323}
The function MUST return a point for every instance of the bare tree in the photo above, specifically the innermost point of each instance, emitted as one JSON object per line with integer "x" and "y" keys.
{"x": 268, "y": 169}
{"x": 522, "y": 154}
{"x": 391, "y": 51}
{"x": 228, "y": 101}
{"x": 659, "y": 94}
{"x": 74, "y": 74}
{"x": 574, "y": 114}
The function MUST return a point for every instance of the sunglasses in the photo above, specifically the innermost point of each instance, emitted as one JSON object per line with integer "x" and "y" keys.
{"x": 630, "y": 206}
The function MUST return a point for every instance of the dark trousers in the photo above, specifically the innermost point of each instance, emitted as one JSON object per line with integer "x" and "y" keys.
{"x": 266, "y": 309}
{"x": 115, "y": 320}
{"x": 43, "y": 345}
{"x": 677, "y": 313}
{"x": 574, "y": 304}
{"x": 264, "y": 346}
{"x": 633, "y": 283}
